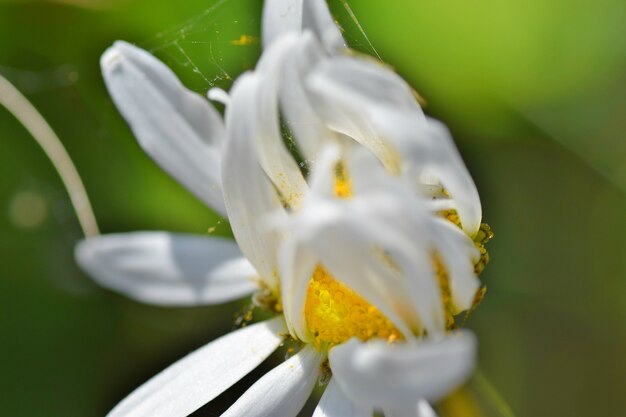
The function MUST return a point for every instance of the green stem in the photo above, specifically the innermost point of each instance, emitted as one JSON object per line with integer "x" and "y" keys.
{"x": 489, "y": 390}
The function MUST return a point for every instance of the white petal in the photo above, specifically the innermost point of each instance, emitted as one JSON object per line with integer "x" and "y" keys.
{"x": 425, "y": 410}
{"x": 168, "y": 269}
{"x": 347, "y": 89}
{"x": 296, "y": 265}
{"x": 395, "y": 377}
{"x": 204, "y": 374}
{"x": 296, "y": 262}
{"x": 448, "y": 166}
{"x": 283, "y": 16}
{"x": 430, "y": 150}
{"x": 322, "y": 176}
{"x": 374, "y": 106}
{"x": 281, "y": 392}
{"x": 298, "y": 110}
{"x": 176, "y": 127}
{"x": 317, "y": 17}
{"x": 372, "y": 79}
{"x": 263, "y": 119}
{"x": 334, "y": 403}
{"x": 248, "y": 193}
{"x": 459, "y": 255}
{"x": 219, "y": 95}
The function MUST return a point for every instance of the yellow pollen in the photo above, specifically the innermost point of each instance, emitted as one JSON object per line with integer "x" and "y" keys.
{"x": 245, "y": 40}
{"x": 334, "y": 313}
{"x": 446, "y": 294}
{"x": 343, "y": 185}
{"x": 483, "y": 236}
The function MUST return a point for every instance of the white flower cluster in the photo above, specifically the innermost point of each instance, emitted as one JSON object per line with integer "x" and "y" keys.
{"x": 364, "y": 247}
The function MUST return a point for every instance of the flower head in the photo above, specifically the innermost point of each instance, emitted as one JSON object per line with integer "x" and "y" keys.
{"x": 365, "y": 248}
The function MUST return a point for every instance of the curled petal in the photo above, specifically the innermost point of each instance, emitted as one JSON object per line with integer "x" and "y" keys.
{"x": 179, "y": 129}
{"x": 346, "y": 90}
{"x": 248, "y": 193}
{"x": 375, "y": 107}
{"x": 263, "y": 118}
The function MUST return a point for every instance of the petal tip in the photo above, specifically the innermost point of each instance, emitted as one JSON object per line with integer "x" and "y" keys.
{"x": 112, "y": 57}
{"x": 83, "y": 254}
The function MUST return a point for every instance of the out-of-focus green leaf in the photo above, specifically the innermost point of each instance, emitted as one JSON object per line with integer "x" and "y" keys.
{"x": 477, "y": 398}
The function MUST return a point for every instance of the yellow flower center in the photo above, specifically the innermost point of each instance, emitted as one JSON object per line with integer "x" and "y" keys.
{"x": 334, "y": 313}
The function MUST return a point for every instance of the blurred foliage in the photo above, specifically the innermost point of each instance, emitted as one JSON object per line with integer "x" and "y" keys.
{"x": 533, "y": 92}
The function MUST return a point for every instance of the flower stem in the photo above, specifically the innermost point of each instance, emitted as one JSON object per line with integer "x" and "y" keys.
{"x": 36, "y": 125}
{"x": 490, "y": 392}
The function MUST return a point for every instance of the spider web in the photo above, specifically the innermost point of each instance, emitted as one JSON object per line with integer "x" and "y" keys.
{"x": 213, "y": 47}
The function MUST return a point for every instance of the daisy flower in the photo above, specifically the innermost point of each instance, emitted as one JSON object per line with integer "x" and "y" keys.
{"x": 355, "y": 220}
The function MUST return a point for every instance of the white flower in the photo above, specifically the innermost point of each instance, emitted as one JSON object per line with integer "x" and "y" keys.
{"x": 365, "y": 260}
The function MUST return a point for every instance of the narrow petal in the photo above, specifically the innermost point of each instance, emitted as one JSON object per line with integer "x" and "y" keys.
{"x": 282, "y": 391}
{"x": 176, "y": 127}
{"x": 317, "y": 17}
{"x": 168, "y": 269}
{"x": 284, "y": 16}
{"x": 425, "y": 410}
{"x": 447, "y": 165}
{"x": 334, "y": 403}
{"x": 263, "y": 118}
{"x": 280, "y": 17}
{"x": 322, "y": 176}
{"x": 296, "y": 106}
{"x": 204, "y": 374}
{"x": 296, "y": 266}
{"x": 248, "y": 192}
{"x": 296, "y": 262}
{"x": 428, "y": 370}
{"x": 459, "y": 255}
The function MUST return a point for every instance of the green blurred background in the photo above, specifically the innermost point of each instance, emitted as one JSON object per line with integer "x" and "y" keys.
{"x": 534, "y": 92}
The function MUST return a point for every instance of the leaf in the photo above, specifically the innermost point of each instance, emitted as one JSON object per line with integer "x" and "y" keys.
{"x": 477, "y": 398}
